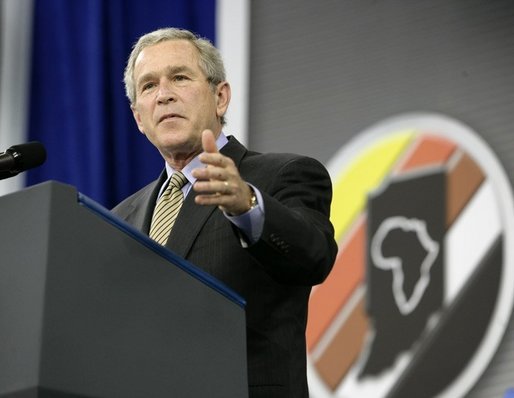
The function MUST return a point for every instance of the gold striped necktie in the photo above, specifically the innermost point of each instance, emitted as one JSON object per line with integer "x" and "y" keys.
{"x": 167, "y": 208}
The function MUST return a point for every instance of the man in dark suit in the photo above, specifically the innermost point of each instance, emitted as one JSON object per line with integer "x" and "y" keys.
{"x": 257, "y": 222}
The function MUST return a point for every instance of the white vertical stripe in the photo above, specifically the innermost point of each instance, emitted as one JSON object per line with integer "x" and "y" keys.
{"x": 469, "y": 239}
{"x": 233, "y": 40}
{"x": 15, "y": 33}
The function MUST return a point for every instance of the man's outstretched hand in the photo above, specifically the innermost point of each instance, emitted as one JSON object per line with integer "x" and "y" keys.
{"x": 220, "y": 183}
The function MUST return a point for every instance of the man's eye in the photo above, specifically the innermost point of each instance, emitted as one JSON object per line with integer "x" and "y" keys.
{"x": 147, "y": 86}
{"x": 180, "y": 78}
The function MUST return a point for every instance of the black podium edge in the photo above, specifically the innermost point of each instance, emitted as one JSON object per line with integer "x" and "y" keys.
{"x": 178, "y": 261}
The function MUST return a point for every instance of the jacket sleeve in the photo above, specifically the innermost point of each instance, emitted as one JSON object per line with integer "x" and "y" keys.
{"x": 297, "y": 243}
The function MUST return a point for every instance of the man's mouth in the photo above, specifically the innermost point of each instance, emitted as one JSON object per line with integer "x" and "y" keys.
{"x": 169, "y": 116}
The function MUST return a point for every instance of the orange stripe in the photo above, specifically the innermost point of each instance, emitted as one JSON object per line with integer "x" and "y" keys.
{"x": 327, "y": 300}
{"x": 345, "y": 348}
{"x": 428, "y": 150}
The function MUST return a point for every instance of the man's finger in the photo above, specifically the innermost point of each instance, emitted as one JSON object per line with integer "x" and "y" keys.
{"x": 209, "y": 142}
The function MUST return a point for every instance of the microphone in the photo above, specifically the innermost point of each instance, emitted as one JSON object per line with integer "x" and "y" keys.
{"x": 21, "y": 157}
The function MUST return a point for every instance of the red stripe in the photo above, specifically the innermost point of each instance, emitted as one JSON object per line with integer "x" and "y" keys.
{"x": 328, "y": 299}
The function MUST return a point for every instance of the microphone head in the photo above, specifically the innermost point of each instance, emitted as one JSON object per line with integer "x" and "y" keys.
{"x": 27, "y": 156}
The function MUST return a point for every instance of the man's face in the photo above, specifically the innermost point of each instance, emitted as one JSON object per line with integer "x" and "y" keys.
{"x": 174, "y": 101}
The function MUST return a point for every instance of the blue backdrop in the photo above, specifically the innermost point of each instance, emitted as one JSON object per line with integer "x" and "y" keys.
{"x": 77, "y": 105}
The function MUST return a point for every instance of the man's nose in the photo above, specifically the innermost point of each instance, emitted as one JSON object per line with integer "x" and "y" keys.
{"x": 165, "y": 93}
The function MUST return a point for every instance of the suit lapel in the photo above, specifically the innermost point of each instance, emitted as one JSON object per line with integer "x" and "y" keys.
{"x": 192, "y": 217}
{"x": 235, "y": 150}
{"x": 188, "y": 224}
{"x": 139, "y": 212}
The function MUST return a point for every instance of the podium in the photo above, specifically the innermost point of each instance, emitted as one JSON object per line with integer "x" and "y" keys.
{"x": 90, "y": 307}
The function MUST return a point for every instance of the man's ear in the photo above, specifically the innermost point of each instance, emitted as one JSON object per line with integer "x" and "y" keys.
{"x": 223, "y": 93}
{"x": 137, "y": 118}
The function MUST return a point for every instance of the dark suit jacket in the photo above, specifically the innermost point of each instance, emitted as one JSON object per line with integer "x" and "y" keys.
{"x": 274, "y": 275}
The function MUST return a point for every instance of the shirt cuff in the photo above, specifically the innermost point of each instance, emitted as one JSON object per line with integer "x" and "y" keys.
{"x": 250, "y": 223}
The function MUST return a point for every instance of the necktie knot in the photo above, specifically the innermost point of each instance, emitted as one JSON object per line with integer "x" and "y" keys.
{"x": 177, "y": 181}
{"x": 167, "y": 208}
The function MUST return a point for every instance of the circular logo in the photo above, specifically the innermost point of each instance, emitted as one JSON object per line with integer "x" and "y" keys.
{"x": 423, "y": 286}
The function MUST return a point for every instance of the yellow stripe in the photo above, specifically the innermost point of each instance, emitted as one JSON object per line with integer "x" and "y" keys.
{"x": 363, "y": 175}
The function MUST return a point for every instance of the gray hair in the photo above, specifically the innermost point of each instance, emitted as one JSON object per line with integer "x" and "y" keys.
{"x": 210, "y": 61}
